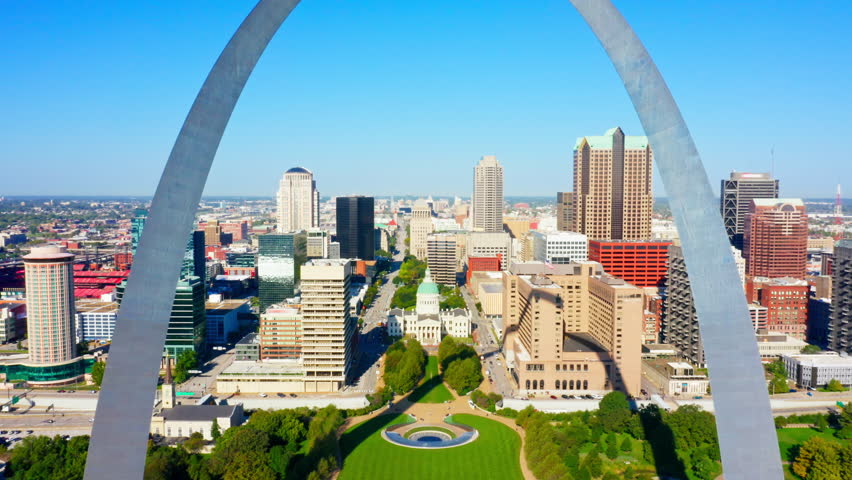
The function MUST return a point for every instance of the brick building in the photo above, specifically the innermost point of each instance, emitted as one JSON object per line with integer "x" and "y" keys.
{"x": 641, "y": 263}
{"x": 776, "y": 238}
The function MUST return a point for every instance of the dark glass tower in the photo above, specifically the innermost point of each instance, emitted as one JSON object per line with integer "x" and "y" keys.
{"x": 276, "y": 268}
{"x": 355, "y": 226}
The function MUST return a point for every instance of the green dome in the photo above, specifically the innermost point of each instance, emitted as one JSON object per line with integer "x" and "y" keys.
{"x": 427, "y": 286}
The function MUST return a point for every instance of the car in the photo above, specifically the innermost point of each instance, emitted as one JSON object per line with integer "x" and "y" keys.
{"x": 697, "y": 397}
{"x": 91, "y": 420}
{"x": 643, "y": 392}
{"x": 50, "y": 420}
{"x": 565, "y": 396}
{"x": 810, "y": 394}
{"x": 293, "y": 395}
{"x": 30, "y": 432}
{"x": 793, "y": 390}
{"x": 94, "y": 392}
{"x": 281, "y": 395}
{"x": 553, "y": 397}
{"x": 3, "y": 432}
{"x": 263, "y": 395}
{"x": 61, "y": 391}
{"x": 70, "y": 391}
{"x": 15, "y": 432}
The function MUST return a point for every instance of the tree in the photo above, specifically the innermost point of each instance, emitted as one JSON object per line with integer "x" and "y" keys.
{"x": 254, "y": 302}
{"x": 98, "y": 370}
{"x": 808, "y": 349}
{"x": 195, "y": 442}
{"x": 844, "y": 421}
{"x": 834, "y": 385}
{"x": 611, "y": 452}
{"x": 186, "y": 361}
{"x": 239, "y": 445}
{"x": 780, "y": 422}
{"x": 626, "y": 445}
{"x": 818, "y": 458}
{"x": 215, "y": 433}
{"x": 82, "y": 347}
{"x": 614, "y": 412}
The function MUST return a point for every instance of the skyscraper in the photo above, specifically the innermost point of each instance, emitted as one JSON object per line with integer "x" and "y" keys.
{"x": 735, "y": 200}
{"x": 276, "y": 268}
{"x": 840, "y": 318}
{"x": 488, "y": 195}
{"x": 612, "y": 186}
{"x": 776, "y": 238}
{"x": 355, "y": 224}
{"x": 564, "y": 211}
{"x": 328, "y": 332}
{"x": 442, "y": 257}
{"x": 298, "y": 201}
{"x": 49, "y": 280}
{"x": 137, "y": 224}
{"x": 193, "y": 258}
{"x": 421, "y": 227}
{"x": 680, "y": 322}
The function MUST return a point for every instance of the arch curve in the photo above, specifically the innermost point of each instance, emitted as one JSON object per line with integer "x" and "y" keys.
{"x": 744, "y": 422}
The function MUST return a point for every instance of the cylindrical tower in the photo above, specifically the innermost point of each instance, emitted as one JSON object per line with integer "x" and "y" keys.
{"x": 50, "y": 304}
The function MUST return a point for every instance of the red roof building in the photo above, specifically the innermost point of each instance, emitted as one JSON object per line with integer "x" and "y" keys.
{"x": 638, "y": 262}
{"x": 482, "y": 264}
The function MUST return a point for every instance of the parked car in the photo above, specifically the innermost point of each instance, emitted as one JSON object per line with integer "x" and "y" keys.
{"x": 263, "y": 395}
{"x": 61, "y": 391}
{"x": 50, "y": 420}
{"x": 810, "y": 394}
{"x": 281, "y": 395}
{"x": 793, "y": 390}
{"x": 566, "y": 397}
{"x": 553, "y": 397}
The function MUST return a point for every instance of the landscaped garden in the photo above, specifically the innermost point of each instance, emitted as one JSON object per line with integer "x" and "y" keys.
{"x": 431, "y": 389}
{"x": 493, "y": 456}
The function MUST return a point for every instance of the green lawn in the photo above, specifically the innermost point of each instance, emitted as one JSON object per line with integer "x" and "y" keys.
{"x": 788, "y": 437}
{"x": 432, "y": 389}
{"x": 492, "y": 456}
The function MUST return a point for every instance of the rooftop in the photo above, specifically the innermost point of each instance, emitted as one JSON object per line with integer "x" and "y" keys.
{"x": 492, "y": 287}
{"x": 87, "y": 305}
{"x": 581, "y": 342}
{"x": 631, "y": 142}
{"x": 225, "y": 306}
{"x": 197, "y": 413}
{"x": 771, "y": 202}
{"x": 824, "y": 359}
{"x": 298, "y": 170}
{"x": 250, "y": 339}
{"x": 276, "y": 367}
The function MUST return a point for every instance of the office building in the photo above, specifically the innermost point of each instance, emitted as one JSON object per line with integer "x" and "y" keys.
{"x": 487, "y": 201}
{"x": 442, "y": 257}
{"x": 298, "y": 201}
{"x": 737, "y": 193}
{"x": 786, "y": 302}
{"x": 490, "y": 244}
{"x": 675, "y": 378}
{"x": 642, "y": 263}
{"x": 428, "y": 323}
{"x": 560, "y": 247}
{"x": 48, "y": 272}
{"x": 816, "y": 370}
{"x": 328, "y": 331}
{"x": 481, "y": 264}
{"x": 137, "y": 224}
{"x": 771, "y": 345}
{"x": 421, "y": 227}
{"x": 776, "y": 238}
{"x": 840, "y": 322}
{"x": 212, "y": 232}
{"x": 570, "y": 328}
{"x": 247, "y": 349}
{"x": 95, "y": 320}
{"x": 355, "y": 223}
{"x": 223, "y": 319}
{"x": 281, "y": 332}
{"x": 276, "y": 268}
{"x": 187, "y": 323}
{"x": 317, "y": 243}
{"x": 194, "y": 261}
{"x": 564, "y": 211}
{"x": 612, "y": 186}
{"x": 334, "y": 250}
{"x": 819, "y": 321}
{"x": 680, "y": 322}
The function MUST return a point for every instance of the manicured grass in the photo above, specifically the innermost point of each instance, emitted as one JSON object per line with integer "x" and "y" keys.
{"x": 789, "y": 437}
{"x": 429, "y": 429}
{"x": 432, "y": 390}
{"x": 492, "y": 456}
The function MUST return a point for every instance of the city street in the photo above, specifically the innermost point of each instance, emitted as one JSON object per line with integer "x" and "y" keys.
{"x": 205, "y": 382}
{"x": 489, "y": 347}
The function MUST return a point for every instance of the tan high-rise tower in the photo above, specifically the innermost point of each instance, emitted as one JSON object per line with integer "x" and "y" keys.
{"x": 612, "y": 186}
{"x": 488, "y": 195}
{"x": 298, "y": 201}
{"x": 421, "y": 227}
{"x": 50, "y": 304}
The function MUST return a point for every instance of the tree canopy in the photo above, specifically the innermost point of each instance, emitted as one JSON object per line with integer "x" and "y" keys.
{"x": 405, "y": 364}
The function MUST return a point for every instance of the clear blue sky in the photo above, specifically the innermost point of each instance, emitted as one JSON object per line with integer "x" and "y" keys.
{"x": 392, "y": 97}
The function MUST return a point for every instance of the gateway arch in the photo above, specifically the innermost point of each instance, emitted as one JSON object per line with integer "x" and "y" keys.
{"x": 744, "y": 420}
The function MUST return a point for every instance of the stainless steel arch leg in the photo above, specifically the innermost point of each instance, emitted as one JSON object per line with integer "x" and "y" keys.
{"x": 123, "y": 416}
{"x": 743, "y": 416}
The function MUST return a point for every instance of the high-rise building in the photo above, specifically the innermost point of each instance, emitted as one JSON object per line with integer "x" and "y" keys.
{"x": 298, "y": 201}
{"x": 421, "y": 227}
{"x": 612, "y": 186}
{"x": 786, "y": 302}
{"x": 564, "y": 211}
{"x": 137, "y": 224}
{"x": 840, "y": 319}
{"x": 194, "y": 260}
{"x": 640, "y": 263}
{"x": 560, "y": 247}
{"x": 316, "y": 244}
{"x": 188, "y": 320}
{"x": 776, "y": 238}
{"x": 48, "y": 273}
{"x": 490, "y": 244}
{"x": 355, "y": 223}
{"x": 212, "y": 233}
{"x": 281, "y": 332}
{"x": 487, "y": 202}
{"x": 328, "y": 332}
{"x": 442, "y": 257}
{"x": 572, "y": 328}
{"x": 276, "y": 268}
{"x": 736, "y": 195}
{"x": 680, "y": 321}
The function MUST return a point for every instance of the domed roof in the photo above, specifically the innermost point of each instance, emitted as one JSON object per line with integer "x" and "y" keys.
{"x": 427, "y": 286}
{"x": 299, "y": 170}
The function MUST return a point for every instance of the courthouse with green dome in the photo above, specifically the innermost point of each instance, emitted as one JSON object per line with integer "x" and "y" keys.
{"x": 428, "y": 323}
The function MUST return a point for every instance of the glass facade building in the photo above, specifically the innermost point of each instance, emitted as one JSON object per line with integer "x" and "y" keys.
{"x": 355, "y": 224}
{"x": 193, "y": 258}
{"x": 276, "y": 268}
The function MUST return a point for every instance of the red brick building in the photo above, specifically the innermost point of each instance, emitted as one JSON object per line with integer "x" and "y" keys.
{"x": 776, "y": 238}
{"x": 482, "y": 264}
{"x": 638, "y": 262}
{"x": 786, "y": 302}
{"x": 652, "y": 316}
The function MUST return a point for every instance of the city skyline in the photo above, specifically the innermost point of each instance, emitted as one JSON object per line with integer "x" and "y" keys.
{"x": 427, "y": 94}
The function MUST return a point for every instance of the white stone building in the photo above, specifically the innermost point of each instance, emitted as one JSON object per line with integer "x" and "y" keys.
{"x": 428, "y": 323}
